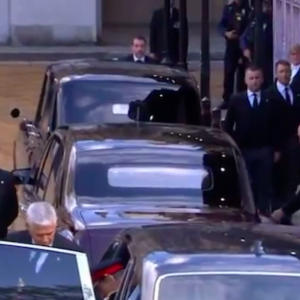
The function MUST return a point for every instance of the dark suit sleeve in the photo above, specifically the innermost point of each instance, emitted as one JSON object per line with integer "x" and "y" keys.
{"x": 19, "y": 237}
{"x": 244, "y": 38}
{"x": 230, "y": 118}
{"x": 153, "y": 32}
{"x": 292, "y": 206}
{"x": 9, "y": 206}
{"x": 223, "y": 24}
{"x": 63, "y": 243}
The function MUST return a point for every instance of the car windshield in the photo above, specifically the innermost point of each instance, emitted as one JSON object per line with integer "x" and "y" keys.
{"x": 95, "y": 101}
{"x": 176, "y": 175}
{"x": 234, "y": 286}
{"x": 31, "y": 272}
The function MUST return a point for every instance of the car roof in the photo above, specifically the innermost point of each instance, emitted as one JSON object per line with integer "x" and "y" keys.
{"x": 199, "y": 240}
{"x": 86, "y": 137}
{"x": 163, "y": 73}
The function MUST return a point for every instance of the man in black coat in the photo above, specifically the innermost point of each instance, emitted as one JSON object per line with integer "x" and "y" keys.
{"x": 9, "y": 207}
{"x": 157, "y": 34}
{"x": 250, "y": 122}
{"x": 138, "y": 51}
{"x": 295, "y": 67}
{"x": 287, "y": 102}
{"x": 41, "y": 221}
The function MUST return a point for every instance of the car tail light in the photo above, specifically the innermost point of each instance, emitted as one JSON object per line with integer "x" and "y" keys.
{"x": 110, "y": 270}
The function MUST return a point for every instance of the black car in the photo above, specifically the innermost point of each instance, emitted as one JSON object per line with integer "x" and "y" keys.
{"x": 92, "y": 92}
{"x": 192, "y": 261}
{"x": 104, "y": 178}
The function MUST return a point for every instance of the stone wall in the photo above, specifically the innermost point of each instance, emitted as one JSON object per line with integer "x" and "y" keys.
{"x": 44, "y": 22}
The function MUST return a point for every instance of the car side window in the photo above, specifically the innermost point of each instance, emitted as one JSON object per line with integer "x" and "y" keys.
{"x": 58, "y": 152}
{"x": 45, "y": 168}
{"x": 43, "y": 105}
{"x": 112, "y": 251}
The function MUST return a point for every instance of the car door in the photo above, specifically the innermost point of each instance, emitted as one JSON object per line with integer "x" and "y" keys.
{"x": 57, "y": 274}
{"x": 40, "y": 131}
{"x": 44, "y": 176}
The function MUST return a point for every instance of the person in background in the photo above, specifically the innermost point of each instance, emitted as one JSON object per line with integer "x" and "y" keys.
{"x": 250, "y": 122}
{"x": 41, "y": 221}
{"x": 287, "y": 103}
{"x": 9, "y": 207}
{"x": 247, "y": 42}
{"x": 138, "y": 51}
{"x": 157, "y": 36}
{"x": 233, "y": 23}
{"x": 295, "y": 66}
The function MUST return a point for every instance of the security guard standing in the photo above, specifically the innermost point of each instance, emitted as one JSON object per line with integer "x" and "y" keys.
{"x": 247, "y": 40}
{"x": 233, "y": 23}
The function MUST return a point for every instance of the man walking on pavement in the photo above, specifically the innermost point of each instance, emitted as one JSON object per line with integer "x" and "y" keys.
{"x": 247, "y": 40}
{"x": 287, "y": 104}
{"x": 157, "y": 36}
{"x": 233, "y": 23}
{"x": 250, "y": 122}
{"x": 295, "y": 67}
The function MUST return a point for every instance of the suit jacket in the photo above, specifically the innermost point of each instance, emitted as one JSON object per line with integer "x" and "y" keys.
{"x": 148, "y": 59}
{"x": 251, "y": 127}
{"x": 157, "y": 34}
{"x": 287, "y": 116}
{"x": 59, "y": 242}
{"x": 295, "y": 84}
{"x": 9, "y": 207}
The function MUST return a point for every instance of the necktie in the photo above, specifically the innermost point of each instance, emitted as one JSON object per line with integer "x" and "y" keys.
{"x": 139, "y": 61}
{"x": 287, "y": 96}
{"x": 255, "y": 101}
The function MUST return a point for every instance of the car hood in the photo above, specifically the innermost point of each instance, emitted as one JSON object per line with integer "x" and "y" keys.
{"x": 140, "y": 213}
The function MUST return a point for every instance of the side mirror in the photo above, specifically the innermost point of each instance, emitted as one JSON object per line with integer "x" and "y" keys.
{"x": 22, "y": 176}
{"x": 15, "y": 113}
{"x": 138, "y": 111}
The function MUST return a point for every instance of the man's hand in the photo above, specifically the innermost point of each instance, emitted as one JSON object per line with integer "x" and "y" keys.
{"x": 298, "y": 132}
{"x": 231, "y": 34}
{"x": 276, "y": 157}
{"x": 153, "y": 56}
{"x": 277, "y": 215}
{"x": 247, "y": 54}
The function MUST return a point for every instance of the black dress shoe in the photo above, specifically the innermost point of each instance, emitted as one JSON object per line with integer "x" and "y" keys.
{"x": 224, "y": 105}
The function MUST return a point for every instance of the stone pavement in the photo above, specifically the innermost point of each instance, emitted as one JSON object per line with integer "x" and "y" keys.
{"x": 115, "y": 43}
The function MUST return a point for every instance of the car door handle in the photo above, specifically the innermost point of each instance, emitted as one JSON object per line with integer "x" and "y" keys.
{"x": 33, "y": 134}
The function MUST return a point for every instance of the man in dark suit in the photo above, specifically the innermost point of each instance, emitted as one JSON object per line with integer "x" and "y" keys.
{"x": 287, "y": 102}
{"x": 295, "y": 66}
{"x": 138, "y": 51}
{"x": 157, "y": 34}
{"x": 9, "y": 206}
{"x": 41, "y": 221}
{"x": 250, "y": 122}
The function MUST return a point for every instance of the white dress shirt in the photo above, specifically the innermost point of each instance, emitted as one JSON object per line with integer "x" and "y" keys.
{"x": 295, "y": 69}
{"x": 250, "y": 96}
{"x": 142, "y": 59}
{"x": 281, "y": 89}
{"x": 41, "y": 260}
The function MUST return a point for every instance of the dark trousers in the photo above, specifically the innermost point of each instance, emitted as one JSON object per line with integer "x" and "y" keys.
{"x": 234, "y": 72}
{"x": 287, "y": 171}
{"x": 259, "y": 163}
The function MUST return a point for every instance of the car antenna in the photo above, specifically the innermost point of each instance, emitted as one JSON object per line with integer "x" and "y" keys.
{"x": 138, "y": 117}
{"x": 258, "y": 248}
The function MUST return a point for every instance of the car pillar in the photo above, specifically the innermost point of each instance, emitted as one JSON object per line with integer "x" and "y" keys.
{"x": 183, "y": 38}
{"x": 167, "y": 42}
{"x": 206, "y": 112}
{"x": 205, "y": 52}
